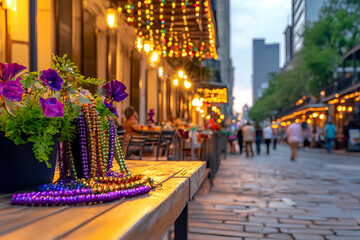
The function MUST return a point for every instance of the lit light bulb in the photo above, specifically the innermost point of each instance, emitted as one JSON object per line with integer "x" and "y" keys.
{"x": 180, "y": 74}
{"x": 214, "y": 108}
{"x": 187, "y": 84}
{"x": 176, "y": 82}
{"x": 111, "y": 17}
{"x": 208, "y": 117}
{"x": 147, "y": 47}
{"x": 322, "y": 116}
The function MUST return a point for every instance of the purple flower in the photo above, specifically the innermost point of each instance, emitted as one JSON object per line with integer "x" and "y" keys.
{"x": 115, "y": 91}
{"x": 9, "y": 70}
{"x": 51, "y": 107}
{"x": 12, "y": 90}
{"x": 52, "y": 79}
{"x": 111, "y": 108}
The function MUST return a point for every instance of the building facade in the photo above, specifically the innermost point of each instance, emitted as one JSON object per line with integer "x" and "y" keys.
{"x": 222, "y": 12}
{"x": 265, "y": 62}
{"x": 303, "y": 12}
{"x": 288, "y": 44}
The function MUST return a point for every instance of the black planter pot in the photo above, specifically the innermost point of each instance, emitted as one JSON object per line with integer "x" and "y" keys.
{"x": 19, "y": 169}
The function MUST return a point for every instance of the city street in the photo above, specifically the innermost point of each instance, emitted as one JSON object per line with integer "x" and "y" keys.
{"x": 270, "y": 197}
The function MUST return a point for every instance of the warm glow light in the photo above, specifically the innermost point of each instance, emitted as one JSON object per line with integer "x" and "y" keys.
{"x": 197, "y": 102}
{"x": 176, "y": 82}
{"x": 339, "y": 108}
{"x": 10, "y": 5}
{"x": 110, "y": 17}
{"x": 288, "y": 122}
{"x": 161, "y": 71}
{"x": 198, "y": 109}
{"x": 187, "y": 84}
{"x": 201, "y": 99}
{"x": 202, "y": 111}
{"x": 336, "y": 95}
{"x": 322, "y": 116}
{"x": 155, "y": 57}
{"x": 308, "y": 121}
{"x": 185, "y": 77}
{"x": 208, "y": 117}
{"x": 147, "y": 47}
{"x": 214, "y": 108}
{"x": 139, "y": 43}
{"x": 344, "y": 108}
{"x": 322, "y": 93}
{"x": 342, "y": 101}
{"x": 350, "y": 109}
{"x": 180, "y": 73}
{"x": 340, "y": 116}
{"x": 297, "y": 120}
{"x": 222, "y": 116}
{"x": 202, "y": 115}
{"x": 219, "y": 120}
{"x": 315, "y": 115}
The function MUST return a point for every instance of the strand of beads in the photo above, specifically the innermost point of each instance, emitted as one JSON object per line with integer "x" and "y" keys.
{"x": 71, "y": 197}
{"x": 120, "y": 157}
{"x": 104, "y": 147}
{"x": 83, "y": 149}
{"x": 90, "y": 141}
{"x": 112, "y": 134}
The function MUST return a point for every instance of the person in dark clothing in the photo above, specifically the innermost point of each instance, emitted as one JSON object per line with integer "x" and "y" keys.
{"x": 258, "y": 139}
{"x": 274, "y": 136}
{"x": 240, "y": 139}
{"x": 346, "y": 135}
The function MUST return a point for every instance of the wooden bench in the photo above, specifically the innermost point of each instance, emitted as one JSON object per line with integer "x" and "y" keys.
{"x": 143, "y": 217}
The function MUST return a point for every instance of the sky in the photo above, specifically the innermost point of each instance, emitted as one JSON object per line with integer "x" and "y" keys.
{"x": 251, "y": 19}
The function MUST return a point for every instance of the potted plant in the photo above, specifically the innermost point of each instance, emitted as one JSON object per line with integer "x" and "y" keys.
{"x": 38, "y": 110}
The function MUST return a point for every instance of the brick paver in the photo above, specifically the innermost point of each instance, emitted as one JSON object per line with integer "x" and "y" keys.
{"x": 270, "y": 197}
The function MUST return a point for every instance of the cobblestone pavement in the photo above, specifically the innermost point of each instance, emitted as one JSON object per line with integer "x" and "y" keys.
{"x": 270, "y": 197}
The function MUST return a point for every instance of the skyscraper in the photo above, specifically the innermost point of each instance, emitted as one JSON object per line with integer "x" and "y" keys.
{"x": 303, "y": 11}
{"x": 265, "y": 62}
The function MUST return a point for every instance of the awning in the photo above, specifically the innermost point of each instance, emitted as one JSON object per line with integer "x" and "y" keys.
{"x": 176, "y": 28}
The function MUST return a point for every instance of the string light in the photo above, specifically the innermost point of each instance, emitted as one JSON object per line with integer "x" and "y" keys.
{"x": 216, "y": 95}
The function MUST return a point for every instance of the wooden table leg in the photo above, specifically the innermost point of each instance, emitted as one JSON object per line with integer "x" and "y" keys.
{"x": 181, "y": 225}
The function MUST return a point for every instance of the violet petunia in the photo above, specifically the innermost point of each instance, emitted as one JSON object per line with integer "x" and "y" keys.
{"x": 9, "y": 70}
{"x": 111, "y": 108}
{"x": 115, "y": 91}
{"x": 51, "y": 107}
{"x": 12, "y": 90}
{"x": 52, "y": 79}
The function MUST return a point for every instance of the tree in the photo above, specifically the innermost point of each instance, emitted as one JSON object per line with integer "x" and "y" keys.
{"x": 327, "y": 40}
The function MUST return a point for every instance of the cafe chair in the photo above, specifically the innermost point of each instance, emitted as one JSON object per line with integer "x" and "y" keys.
{"x": 135, "y": 147}
{"x": 163, "y": 149}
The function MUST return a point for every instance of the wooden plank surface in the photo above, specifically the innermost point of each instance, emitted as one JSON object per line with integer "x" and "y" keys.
{"x": 142, "y": 217}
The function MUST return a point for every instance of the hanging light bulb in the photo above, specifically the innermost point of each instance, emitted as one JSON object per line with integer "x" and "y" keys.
{"x": 176, "y": 82}
{"x": 111, "y": 17}
{"x": 187, "y": 84}
{"x": 180, "y": 74}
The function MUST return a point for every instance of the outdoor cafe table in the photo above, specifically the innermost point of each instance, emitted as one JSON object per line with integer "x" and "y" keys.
{"x": 144, "y": 217}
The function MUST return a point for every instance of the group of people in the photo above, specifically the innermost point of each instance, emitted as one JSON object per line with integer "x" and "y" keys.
{"x": 249, "y": 134}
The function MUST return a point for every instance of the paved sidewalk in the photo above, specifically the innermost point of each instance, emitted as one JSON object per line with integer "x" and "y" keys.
{"x": 270, "y": 197}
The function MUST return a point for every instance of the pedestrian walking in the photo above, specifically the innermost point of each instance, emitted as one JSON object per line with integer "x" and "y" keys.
{"x": 267, "y": 133}
{"x": 258, "y": 139}
{"x": 240, "y": 139}
{"x": 249, "y": 137}
{"x": 330, "y": 136}
{"x": 274, "y": 137}
{"x": 294, "y": 138}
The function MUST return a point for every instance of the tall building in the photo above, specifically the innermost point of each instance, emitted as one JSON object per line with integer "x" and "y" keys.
{"x": 288, "y": 44}
{"x": 303, "y": 11}
{"x": 265, "y": 62}
{"x": 222, "y": 16}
